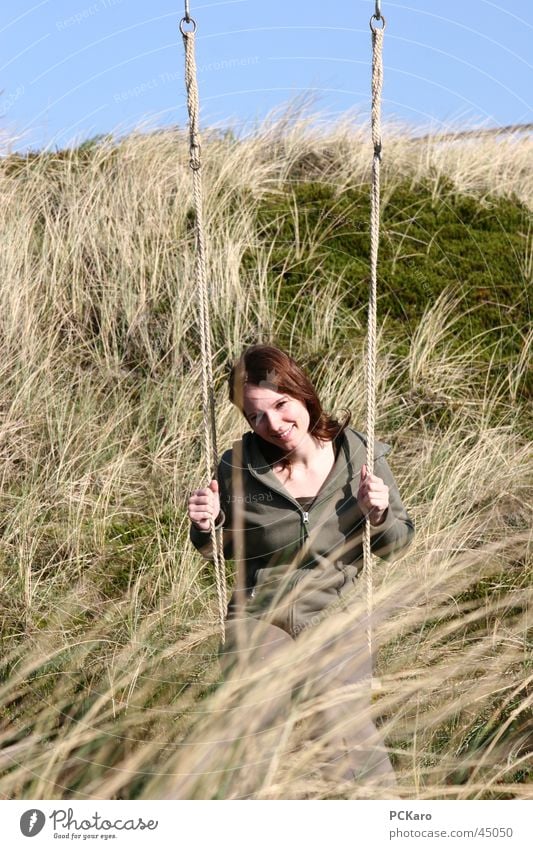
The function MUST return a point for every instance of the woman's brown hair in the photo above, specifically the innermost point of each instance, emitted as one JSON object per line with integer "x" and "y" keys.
{"x": 270, "y": 367}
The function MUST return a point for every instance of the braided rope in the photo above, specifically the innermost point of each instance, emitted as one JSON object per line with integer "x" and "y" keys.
{"x": 208, "y": 402}
{"x": 208, "y": 394}
{"x": 377, "y": 84}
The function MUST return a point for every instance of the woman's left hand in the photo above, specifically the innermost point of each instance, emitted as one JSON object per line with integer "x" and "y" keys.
{"x": 373, "y": 497}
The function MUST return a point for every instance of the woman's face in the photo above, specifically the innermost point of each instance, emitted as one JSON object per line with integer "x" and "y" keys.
{"x": 275, "y": 416}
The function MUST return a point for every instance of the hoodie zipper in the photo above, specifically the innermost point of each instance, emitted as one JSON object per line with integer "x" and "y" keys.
{"x": 303, "y": 513}
{"x": 305, "y": 523}
{"x": 287, "y": 497}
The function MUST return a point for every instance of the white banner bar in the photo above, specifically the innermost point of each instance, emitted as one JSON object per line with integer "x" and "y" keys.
{"x": 267, "y": 824}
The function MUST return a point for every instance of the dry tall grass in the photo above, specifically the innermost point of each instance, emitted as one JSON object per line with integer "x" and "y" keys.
{"x": 110, "y": 686}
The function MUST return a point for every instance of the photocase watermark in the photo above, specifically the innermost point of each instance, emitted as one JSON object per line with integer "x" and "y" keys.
{"x": 66, "y": 825}
{"x": 136, "y": 91}
{"x": 249, "y": 498}
{"x": 64, "y": 819}
{"x": 271, "y": 381}
{"x": 317, "y": 618}
{"x": 32, "y": 822}
{"x": 8, "y": 102}
{"x": 340, "y": 603}
{"x": 86, "y": 13}
{"x": 176, "y": 77}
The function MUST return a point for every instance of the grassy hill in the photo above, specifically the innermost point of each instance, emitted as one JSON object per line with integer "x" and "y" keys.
{"x": 108, "y": 617}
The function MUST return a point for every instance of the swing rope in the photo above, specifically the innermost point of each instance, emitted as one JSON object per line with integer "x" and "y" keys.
{"x": 377, "y": 84}
{"x": 208, "y": 393}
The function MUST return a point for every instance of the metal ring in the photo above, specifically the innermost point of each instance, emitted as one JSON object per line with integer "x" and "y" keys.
{"x": 375, "y": 18}
{"x": 187, "y": 31}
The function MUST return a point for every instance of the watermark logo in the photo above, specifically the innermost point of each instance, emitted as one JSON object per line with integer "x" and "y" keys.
{"x": 64, "y": 820}
{"x": 11, "y": 99}
{"x": 272, "y": 380}
{"x": 32, "y": 822}
{"x": 86, "y": 13}
{"x": 174, "y": 77}
{"x": 250, "y": 498}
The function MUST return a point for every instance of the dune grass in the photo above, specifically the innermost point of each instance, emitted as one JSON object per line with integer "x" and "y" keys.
{"x": 110, "y": 685}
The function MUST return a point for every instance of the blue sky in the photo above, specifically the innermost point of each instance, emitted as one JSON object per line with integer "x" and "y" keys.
{"x": 71, "y": 69}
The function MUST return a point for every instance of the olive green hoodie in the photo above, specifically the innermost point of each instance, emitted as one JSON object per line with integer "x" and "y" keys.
{"x": 296, "y": 562}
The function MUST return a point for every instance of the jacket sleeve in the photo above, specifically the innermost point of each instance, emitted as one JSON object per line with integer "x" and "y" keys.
{"x": 396, "y": 531}
{"x": 202, "y": 539}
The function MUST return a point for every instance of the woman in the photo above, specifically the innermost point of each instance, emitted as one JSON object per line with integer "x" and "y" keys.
{"x": 291, "y": 497}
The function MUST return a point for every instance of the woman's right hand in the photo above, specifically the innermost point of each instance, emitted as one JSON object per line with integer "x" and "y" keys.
{"x": 204, "y": 505}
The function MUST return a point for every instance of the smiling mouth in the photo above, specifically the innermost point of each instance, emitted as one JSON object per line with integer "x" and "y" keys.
{"x": 285, "y": 433}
